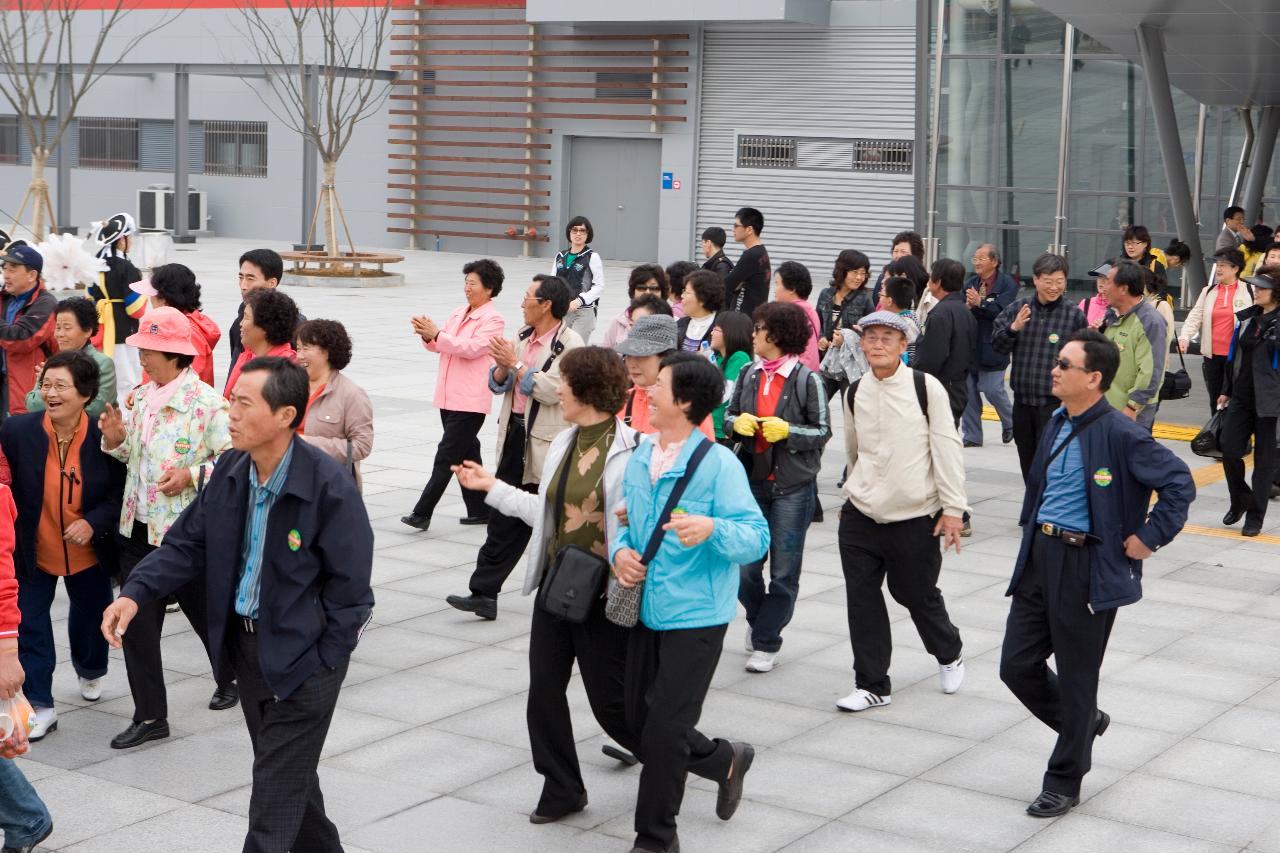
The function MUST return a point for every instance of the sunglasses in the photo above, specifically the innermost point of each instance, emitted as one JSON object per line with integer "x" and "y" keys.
{"x": 1063, "y": 364}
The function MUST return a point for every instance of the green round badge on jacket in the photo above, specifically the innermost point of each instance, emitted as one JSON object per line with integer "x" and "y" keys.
{"x": 182, "y": 446}
{"x": 1053, "y": 338}
{"x": 1101, "y": 477}
{"x": 295, "y": 539}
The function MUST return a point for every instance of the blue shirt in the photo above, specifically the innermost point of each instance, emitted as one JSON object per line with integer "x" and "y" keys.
{"x": 261, "y": 499}
{"x": 1065, "y": 502}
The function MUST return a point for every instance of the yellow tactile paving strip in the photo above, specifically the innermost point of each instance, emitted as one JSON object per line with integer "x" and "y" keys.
{"x": 1171, "y": 432}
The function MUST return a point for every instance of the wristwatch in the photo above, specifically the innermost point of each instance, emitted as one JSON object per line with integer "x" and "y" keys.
{"x": 519, "y": 367}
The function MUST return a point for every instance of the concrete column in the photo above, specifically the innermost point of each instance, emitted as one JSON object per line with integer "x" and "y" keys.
{"x": 62, "y": 193}
{"x": 310, "y": 173}
{"x": 1151, "y": 47}
{"x": 1264, "y": 148}
{"x": 181, "y": 133}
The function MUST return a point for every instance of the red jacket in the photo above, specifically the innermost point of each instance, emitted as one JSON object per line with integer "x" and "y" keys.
{"x": 26, "y": 342}
{"x": 205, "y": 335}
{"x": 9, "y": 615}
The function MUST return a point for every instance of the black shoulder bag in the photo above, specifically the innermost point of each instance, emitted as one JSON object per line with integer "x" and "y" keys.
{"x": 1177, "y": 383}
{"x": 623, "y": 606}
{"x": 575, "y": 577}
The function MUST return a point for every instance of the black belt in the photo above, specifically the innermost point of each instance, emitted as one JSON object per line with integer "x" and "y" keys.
{"x": 517, "y": 416}
{"x": 1074, "y": 538}
{"x": 249, "y": 626}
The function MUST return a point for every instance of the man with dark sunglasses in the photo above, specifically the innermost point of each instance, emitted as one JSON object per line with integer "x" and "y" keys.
{"x": 1087, "y": 525}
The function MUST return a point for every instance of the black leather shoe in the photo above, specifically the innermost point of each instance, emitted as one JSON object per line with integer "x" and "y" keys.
{"x": 972, "y": 444}
{"x": 474, "y": 519}
{"x": 484, "y": 606}
{"x": 618, "y": 754}
{"x": 540, "y": 819}
{"x": 1051, "y": 804}
{"x": 731, "y": 789}
{"x": 29, "y": 848}
{"x": 1104, "y": 720}
{"x": 225, "y": 697}
{"x": 1233, "y": 515}
{"x": 1006, "y": 436}
{"x": 1252, "y": 527}
{"x": 422, "y": 522}
{"x": 674, "y": 848}
{"x": 139, "y": 733}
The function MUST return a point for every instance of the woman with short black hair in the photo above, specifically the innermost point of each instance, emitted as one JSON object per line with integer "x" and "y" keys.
{"x": 703, "y": 296}
{"x": 267, "y": 328}
{"x": 731, "y": 343}
{"x": 68, "y": 495}
{"x": 75, "y": 324}
{"x": 1137, "y": 248}
{"x": 175, "y": 286}
{"x": 339, "y": 416}
{"x": 644, "y": 280}
{"x": 582, "y": 268}
{"x": 580, "y": 487}
{"x": 847, "y": 299}
{"x": 779, "y": 412}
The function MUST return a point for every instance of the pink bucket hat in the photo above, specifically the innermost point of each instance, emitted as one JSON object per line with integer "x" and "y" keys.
{"x": 164, "y": 330}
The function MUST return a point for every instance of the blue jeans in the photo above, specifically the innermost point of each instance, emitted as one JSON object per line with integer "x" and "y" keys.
{"x": 23, "y": 815}
{"x": 991, "y": 384}
{"x": 788, "y": 512}
{"x": 90, "y": 594}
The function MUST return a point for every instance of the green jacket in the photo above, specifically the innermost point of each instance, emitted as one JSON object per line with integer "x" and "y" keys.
{"x": 1143, "y": 343}
{"x": 106, "y": 386}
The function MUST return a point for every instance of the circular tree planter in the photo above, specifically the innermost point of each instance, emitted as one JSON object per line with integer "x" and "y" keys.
{"x": 348, "y": 269}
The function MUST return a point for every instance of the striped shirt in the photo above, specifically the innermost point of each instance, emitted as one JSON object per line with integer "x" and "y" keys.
{"x": 261, "y": 499}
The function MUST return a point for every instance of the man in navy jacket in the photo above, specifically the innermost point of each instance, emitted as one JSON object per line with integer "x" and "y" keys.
{"x": 1087, "y": 525}
{"x": 987, "y": 293}
{"x": 282, "y": 540}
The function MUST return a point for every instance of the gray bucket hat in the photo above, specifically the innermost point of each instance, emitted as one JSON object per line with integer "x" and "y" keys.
{"x": 650, "y": 335}
{"x": 891, "y": 320}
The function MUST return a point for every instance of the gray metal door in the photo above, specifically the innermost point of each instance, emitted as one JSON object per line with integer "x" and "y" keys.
{"x": 615, "y": 183}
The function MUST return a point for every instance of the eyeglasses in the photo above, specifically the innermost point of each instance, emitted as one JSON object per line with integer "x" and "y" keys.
{"x": 527, "y": 297}
{"x": 1063, "y": 364}
{"x": 578, "y": 229}
{"x": 58, "y": 387}
{"x": 1135, "y": 242}
{"x": 648, "y": 288}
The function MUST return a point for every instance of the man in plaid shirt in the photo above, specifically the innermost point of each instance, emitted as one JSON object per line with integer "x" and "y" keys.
{"x": 1032, "y": 330}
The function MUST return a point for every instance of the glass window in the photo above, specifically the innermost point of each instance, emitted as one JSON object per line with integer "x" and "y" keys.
{"x": 967, "y": 122}
{"x": 1157, "y": 215}
{"x": 235, "y": 148}
{"x": 1028, "y": 136}
{"x": 108, "y": 143}
{"x": 1102, "y": 212}
{"x": 970, "y": 27}
{"x": 1104, "y": 130}
{"x": 8, "y": 139}
{"x": 961, "y": 241}
{"x": 964, "y": 205}
{"x": 1019, "y": 248}
{"x": 1027, "y": 208}
{"x": 1029, "y": 29}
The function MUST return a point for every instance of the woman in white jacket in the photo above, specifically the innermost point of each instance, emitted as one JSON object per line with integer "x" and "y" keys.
{"x": 582, "y": 512}
{"x": 1213, "y": 319}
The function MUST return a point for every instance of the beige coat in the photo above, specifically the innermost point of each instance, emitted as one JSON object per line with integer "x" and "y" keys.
{"x": 549, "y": 421}
{"x": 1199, "y": 322}
{"x": 341, "y": 414}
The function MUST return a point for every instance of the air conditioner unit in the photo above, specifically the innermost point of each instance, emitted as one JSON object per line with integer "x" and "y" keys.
{"x": 155, "y": 210}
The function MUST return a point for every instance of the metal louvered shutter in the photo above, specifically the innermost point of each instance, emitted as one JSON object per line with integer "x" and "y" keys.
{"x": 70, "y": 142}
{"x": 844, "y": 86}
{"x": 155, "y": 146}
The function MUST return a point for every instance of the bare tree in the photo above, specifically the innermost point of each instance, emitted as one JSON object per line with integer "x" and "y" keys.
{"x": 37, "y": 45}
{"x": 321, "y": 64}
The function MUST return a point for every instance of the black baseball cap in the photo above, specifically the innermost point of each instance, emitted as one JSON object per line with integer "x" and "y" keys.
{"x": 1264, "y": 281}
{"x": 1103, "y": 270}
{"x": 25, "y": 256}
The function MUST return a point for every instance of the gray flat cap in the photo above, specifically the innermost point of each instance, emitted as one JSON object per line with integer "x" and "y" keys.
{"x": 892, "y": 321}
{"x": 649, "y": 335}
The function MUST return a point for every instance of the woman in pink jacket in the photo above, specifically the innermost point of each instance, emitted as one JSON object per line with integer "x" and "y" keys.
{"x": 462, "y": 387}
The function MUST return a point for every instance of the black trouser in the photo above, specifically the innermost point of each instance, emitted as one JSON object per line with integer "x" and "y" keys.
{"x": 1242, "y": 423}
{"x": 1050, "y": 616}
{"x": 286, "y": 808}
{"x": 142, "y": 657}
{"x": 668, "y": 676}
{"x": 459, "y": 442}
{"x": 600, "y": 648}
{"x": 1029, "y": 422}
{"x": 910, "y": 556}
{"x": 506, "y": 537}
{"x": 1215, "y": 374}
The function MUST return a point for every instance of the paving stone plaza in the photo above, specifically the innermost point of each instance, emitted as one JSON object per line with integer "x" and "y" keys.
{"x": 428, "y": 752}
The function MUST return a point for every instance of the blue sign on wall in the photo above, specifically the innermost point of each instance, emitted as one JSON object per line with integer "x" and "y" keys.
{"x": 666, "y": 180}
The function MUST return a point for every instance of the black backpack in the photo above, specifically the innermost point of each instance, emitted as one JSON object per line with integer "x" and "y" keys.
{"x": 922, "y": 393}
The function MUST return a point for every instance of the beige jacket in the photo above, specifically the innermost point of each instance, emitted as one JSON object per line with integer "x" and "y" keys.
{"x": 341, "y": 414}
{"x": 1199, "y": 322}
{"x": 901, "y": 467}
{"x": 549, "y": 421}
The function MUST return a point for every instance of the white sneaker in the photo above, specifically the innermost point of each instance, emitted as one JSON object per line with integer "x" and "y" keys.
{"x": 762, "y": 661}
{"x": 91, "y": 689}
{"x": 951, "y": 675}
{"x": 749, "y": 646}
{"x": 45, "y": 721}
{"x": 861, "y": 700}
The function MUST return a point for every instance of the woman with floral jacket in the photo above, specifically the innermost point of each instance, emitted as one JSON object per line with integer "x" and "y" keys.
{"x": 177, "y": 428}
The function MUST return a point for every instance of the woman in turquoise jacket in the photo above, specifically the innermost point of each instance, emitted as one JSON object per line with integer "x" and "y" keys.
{"x": 690, "y": 595}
